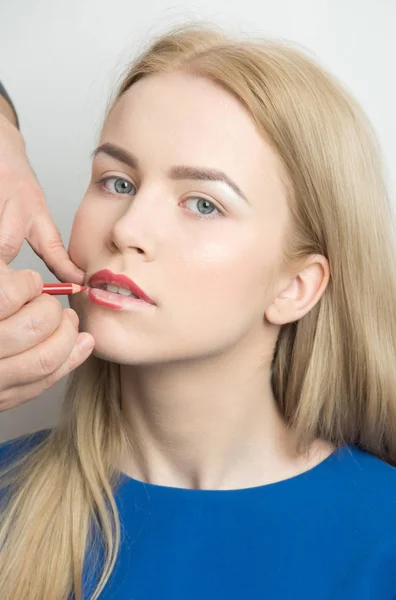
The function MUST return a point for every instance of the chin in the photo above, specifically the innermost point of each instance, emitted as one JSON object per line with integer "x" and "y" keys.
{"x": 112, "y": 352}
{"x": 105, "y": 356}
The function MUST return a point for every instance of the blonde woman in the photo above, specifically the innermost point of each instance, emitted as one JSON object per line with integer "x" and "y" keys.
{"x": 233, "y": 434}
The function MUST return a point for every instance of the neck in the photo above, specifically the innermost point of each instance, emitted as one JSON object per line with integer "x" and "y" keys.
{"x": 211, "y": 424}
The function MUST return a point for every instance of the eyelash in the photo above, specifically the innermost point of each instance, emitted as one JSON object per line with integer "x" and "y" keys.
{"x": 104, "y": 180}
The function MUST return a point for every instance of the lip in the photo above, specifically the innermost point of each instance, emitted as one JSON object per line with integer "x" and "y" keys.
{"x": 120, "y": 280}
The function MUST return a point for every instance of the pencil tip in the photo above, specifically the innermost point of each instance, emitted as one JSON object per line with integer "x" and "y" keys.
{"x": 78, "y": 288}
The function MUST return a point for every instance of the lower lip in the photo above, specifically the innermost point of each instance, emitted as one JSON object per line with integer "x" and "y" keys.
{"x": 116, "y": 301}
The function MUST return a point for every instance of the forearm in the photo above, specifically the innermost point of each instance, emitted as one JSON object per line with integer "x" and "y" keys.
{"x": 6, "y": 108}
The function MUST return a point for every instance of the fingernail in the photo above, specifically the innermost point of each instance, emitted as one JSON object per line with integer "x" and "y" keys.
{"x": 84, "y": 342}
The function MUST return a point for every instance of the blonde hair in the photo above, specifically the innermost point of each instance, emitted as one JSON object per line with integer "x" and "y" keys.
{"x": 333, "y": 371}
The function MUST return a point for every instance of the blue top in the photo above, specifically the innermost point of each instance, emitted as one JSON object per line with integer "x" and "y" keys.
{"x": 326, "y": 534}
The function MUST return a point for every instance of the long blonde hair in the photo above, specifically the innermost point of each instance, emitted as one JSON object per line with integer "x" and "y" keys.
{"x": 333, "y": 372}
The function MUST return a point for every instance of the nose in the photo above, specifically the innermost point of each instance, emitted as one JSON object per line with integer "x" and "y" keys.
{"x": 139, "y": 227}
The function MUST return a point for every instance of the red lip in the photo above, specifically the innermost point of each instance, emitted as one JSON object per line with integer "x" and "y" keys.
{"x": 107, "y": 276}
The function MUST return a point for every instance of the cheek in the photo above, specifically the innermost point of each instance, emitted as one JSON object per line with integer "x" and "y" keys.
{"x": 85, "y": 226}
{"x": 227, "y": 273}
{"x": 76, "y": 248}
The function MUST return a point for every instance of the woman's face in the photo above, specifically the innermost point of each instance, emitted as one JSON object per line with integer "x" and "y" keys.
{"x": 204, "y": 252}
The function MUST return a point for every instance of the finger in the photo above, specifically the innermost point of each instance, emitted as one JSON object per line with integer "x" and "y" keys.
{"x": 12, "y": 233}
{"x": 32, "y": 324}
{"x": 22, "y": 393}
{"x": 16, "y": 289}
{"x": 44, "y": 238}
{"x": 42, "y": 361}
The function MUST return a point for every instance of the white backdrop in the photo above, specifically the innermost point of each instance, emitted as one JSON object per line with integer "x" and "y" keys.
{"x": 59, "y": 60}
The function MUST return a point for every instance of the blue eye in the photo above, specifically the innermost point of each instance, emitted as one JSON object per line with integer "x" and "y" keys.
{"x": 121, "y": 186}
{"x": 117, "y": 185}
{"x": 208, "y": 211}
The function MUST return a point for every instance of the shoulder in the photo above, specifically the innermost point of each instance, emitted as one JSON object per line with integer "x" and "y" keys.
{"x": 367, "y": 481}
{"x": 23, "y": 443}
{"x": 366, "y": 468}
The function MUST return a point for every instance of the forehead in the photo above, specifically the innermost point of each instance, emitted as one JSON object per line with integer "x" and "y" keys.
{"x": 172, "y": 119}
{"x": 182, "y": 108}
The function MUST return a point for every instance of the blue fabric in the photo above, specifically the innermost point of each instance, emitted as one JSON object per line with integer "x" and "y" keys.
{"x": 327, "y": 534}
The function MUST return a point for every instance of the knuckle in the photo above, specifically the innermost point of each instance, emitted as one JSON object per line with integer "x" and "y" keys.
{"x": 8, "y": 294}
{"x": 46, "y": 315}
{"x": 38, "y": 323}
{"x": 47, "y": 362}
{"x": 8, "y": 244}
{"x": 28, "y": 187}
{"x": 55, "y": 243}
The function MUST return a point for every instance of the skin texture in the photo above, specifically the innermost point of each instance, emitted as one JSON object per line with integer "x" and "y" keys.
{"x": 195, "y": 369}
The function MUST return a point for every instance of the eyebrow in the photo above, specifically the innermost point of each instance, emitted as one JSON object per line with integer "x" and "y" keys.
{"x": 176, "y": 172}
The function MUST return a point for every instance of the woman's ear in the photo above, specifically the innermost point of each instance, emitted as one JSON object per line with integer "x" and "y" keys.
{"x": 299, "y": 295}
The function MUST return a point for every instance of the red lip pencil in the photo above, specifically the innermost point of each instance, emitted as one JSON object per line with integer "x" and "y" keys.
{"x": 62, "y": 289}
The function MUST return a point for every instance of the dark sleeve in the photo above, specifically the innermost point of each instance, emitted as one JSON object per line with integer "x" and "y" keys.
{"x": 3, "y": 93}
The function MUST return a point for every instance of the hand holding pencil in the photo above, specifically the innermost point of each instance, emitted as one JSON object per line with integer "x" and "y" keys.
{"x": 39, "y": 339}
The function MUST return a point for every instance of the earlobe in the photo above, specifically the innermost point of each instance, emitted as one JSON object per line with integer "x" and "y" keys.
{"x": 283, "y": 308}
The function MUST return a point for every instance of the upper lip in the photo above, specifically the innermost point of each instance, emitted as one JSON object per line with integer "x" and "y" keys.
{"x": 118, "y": 279}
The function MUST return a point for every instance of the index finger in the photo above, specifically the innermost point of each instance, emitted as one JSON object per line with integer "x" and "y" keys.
{"x": 44, "y": 238}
